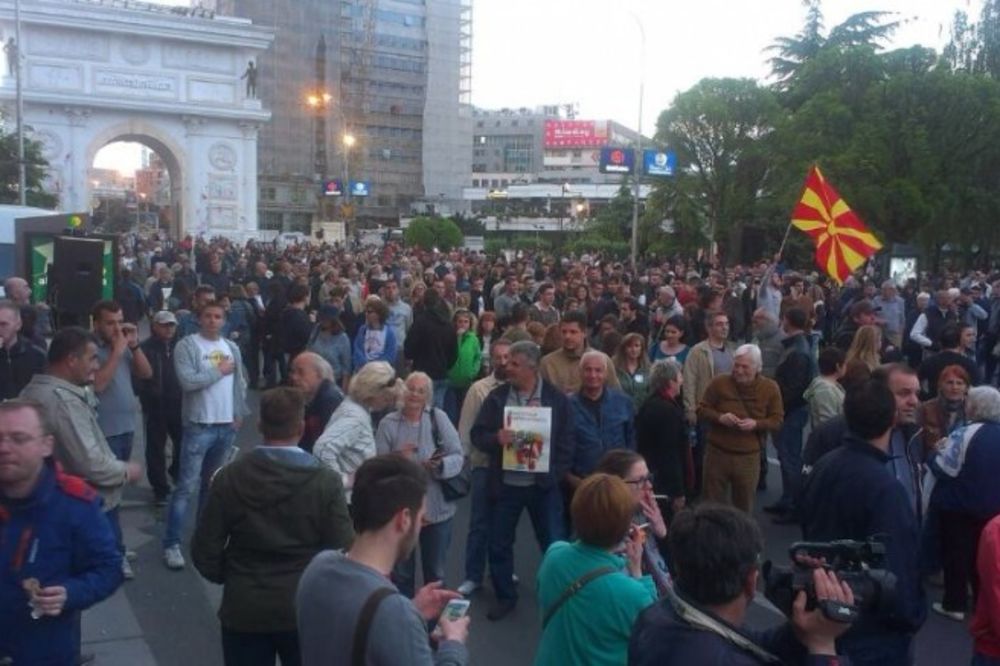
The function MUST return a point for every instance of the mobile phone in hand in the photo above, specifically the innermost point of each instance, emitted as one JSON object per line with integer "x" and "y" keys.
{"x": 456, "y": 609}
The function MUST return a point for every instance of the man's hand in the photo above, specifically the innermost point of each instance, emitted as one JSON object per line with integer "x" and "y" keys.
{"x": 454, "y": 630}
{"x": 812, "y": 628}
{"x": 133, "y": 472}
{"x": 118, "y": 342}
{"x": 746, "y": 425}
{"x": 226, "y": 366}
{"x": 431, "y": 599}
{"x": 505, "y": 437}
{"x": 729, "y": 420}
{"x": 49, "y": 600}
{"x": 237, "y": 424}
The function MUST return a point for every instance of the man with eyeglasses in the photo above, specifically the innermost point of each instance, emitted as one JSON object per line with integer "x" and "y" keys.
{"x": 59, "y": 554}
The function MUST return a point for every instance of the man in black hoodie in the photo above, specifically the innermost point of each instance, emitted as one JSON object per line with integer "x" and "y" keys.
{"x": 267, "y": 515}
{"x": 432, "y": 344}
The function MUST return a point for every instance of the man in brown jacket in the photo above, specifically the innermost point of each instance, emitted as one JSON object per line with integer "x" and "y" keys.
{"x": 562, "y": 367}
{"x": 738, "y": 409}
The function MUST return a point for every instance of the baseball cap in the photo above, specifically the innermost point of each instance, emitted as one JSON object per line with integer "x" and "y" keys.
{"x": 164, "y": 317}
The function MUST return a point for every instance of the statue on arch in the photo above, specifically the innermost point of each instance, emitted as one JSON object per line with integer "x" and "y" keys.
{"x": 251, "y": 76}
{"x": 10, "y": 51}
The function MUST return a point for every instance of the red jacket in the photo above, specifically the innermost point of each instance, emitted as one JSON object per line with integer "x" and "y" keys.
{"x": 985, "y": 625}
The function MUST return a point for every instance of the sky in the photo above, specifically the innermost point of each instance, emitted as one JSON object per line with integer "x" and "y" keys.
{"x": 527, "y": 53}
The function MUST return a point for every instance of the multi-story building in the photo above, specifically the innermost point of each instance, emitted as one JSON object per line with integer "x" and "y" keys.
{"x": 361, "y": 90}
{"x": 543, "y": 145}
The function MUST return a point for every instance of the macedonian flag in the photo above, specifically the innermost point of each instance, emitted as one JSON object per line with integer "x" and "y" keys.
{"x": 843, "y": 242}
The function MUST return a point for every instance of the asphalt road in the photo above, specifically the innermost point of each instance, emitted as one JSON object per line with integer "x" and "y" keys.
{"x": 167, "y": 618}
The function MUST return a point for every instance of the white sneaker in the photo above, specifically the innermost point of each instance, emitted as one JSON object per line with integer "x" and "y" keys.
{"x": 131, "y": 555}
{"x": 468, "y": 587}
{"x": 939, "y": 608}
{"x": 173, "y": 558}
{"x": 127, "y": 571}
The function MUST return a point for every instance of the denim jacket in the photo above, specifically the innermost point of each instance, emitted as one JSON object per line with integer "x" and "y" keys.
{"x": 614, "y": 429}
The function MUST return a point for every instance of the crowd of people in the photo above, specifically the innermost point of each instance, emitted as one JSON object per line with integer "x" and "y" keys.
{"x": 391, "y": 380}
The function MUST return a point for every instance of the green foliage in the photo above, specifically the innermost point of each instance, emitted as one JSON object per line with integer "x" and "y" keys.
{"x": 35, "y": 173}
{"x": 469, "y": 226}
{"x": 433, "y": 232}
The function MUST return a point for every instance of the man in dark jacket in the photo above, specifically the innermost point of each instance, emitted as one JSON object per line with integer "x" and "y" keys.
{"x": 19, "y": 359}
{"x": 73, "y": 561}
{"x": 861, "y": 313}
{"x": 432, "y": 344}
{"x": 851, "y": 495}
{"x": 160, "y": 396}
{"x": 313, "y": 375}
{"x": 715, "y": 551}
{"x": 793, "y": 375}
{"x": 603, "y": 418}
{"x": 514, "y": 491}
{"x": 268, "y": 513}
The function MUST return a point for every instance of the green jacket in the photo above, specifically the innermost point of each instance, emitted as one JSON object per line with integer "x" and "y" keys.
{"x": 267, "y": 514}
{"x": 594, "y": 625}
{"x": 466, "y": 367}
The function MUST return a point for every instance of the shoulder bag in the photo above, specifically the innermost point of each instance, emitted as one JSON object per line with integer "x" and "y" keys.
{"x": 572, "y": 589}
{"x": 360, "y": 643}
{"x": 459, "y": 485}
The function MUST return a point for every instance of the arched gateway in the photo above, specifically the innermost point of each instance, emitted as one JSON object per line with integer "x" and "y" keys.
{"x": 99, "y": 71}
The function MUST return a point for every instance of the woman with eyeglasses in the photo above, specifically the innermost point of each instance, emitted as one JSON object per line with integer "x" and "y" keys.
{"x": 591, "y": 591}
{"x": 424, "y": 434}
{"x": 374, "y": 340}
{"x": 631, "y": 468}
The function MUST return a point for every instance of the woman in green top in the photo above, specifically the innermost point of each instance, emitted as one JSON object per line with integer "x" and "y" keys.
{"x": 632, "y": 367}
{"x": 591, "y": 625}
{"x": 466, "y": 367}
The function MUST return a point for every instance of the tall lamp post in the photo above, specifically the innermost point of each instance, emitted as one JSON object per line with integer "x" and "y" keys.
{"x": 349, "y": 141}
{"x": 22, "y": 167}
{"x": 638, "y": 150}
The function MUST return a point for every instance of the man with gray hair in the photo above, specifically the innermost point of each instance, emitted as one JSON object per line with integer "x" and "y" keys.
{"x": 738, "y": 409}
{"x": 313, "y": 376}
{"x": 515, "y": 491}
{"x": 892, "y": 312}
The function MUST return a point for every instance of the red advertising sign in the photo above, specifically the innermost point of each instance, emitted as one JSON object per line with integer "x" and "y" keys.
{"x": 575, "y": 133}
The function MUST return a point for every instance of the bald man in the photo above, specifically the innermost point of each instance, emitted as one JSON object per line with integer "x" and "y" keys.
{"x": 35, "y": 323}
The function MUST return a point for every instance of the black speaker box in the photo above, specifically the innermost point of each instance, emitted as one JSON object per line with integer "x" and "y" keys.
{"x": 77, "y": 273}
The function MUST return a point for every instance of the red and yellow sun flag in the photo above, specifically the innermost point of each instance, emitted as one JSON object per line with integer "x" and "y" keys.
{"x": 843, "y": 242}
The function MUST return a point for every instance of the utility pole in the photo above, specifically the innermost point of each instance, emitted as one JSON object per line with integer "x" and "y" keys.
{"x": 22, "y": 175}
{"x": 638, "y": 151}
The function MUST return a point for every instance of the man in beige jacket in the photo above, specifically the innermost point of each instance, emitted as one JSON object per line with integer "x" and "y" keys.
{"x": 561, "y": 368}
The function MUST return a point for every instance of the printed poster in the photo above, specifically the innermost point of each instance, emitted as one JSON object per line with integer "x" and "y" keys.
{"x": 531, "y": 447}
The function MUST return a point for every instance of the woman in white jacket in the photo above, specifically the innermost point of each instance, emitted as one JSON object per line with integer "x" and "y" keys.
{"x": 349, "y": 439}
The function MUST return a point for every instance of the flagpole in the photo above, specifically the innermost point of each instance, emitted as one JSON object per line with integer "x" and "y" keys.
{"x": 784, "y": 240}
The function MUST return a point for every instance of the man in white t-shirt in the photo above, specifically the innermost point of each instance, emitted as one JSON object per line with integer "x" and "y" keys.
{"x": 210, "y": 372}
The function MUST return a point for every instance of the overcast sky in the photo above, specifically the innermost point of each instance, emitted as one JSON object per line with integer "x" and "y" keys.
{"x": 533, "y": 52}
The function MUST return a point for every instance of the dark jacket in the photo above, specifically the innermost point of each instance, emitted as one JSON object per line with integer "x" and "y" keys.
{"x": 71, "y": 545}
{"x": 490, "y": 420}
{"x": 318, "y": 412}
{"x": 431, "y": 344}
{"x": 218, "y": 281}
{"x": 661, "y": 638}
{"x": 131, "y": 299}
{"x": 18, "y": 365}
{"x": 161, "y": 393}
{"x": 267, "y": 514}
{"x": 662, "y": 439}
{"x": 595, "y": 435}
{"x": 295, "y": 331}
{"x": 850, "y": 494}
{"x": 795, "y": 371}
{"x": 975, "y": 490}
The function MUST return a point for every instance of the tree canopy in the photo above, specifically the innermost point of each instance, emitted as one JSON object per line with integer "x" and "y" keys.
{"x": 35, "y": 172}
{"x": 433, "y": 232}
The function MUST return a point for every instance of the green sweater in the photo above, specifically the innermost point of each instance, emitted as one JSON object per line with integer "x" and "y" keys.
{"x": 466, "y": 367}
{"x": 593, "y": 626}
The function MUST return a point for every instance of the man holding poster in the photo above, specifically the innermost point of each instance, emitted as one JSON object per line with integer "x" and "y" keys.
{"x": 526, "y": 428}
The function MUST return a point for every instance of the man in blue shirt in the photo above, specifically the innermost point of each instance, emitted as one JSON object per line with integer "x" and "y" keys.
{"x": 603, "y": 417}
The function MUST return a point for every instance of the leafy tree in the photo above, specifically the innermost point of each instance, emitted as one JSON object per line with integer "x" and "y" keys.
{"x": 35, "y": 172}
{"x": 433, "y": 232}
{"x": 975, "y": 47}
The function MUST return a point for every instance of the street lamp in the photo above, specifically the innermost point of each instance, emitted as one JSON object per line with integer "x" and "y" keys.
{"x": 638, "y": 150}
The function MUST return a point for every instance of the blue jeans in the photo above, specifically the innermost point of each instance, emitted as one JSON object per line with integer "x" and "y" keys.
{"x": 205, "y": 449}
{"x": 434, "y": 542}
{"x": 789, "y": 445}
{"x": 480, "y": 512}
{"x": 121, "y": 447}
{"x": 544, "y": 506}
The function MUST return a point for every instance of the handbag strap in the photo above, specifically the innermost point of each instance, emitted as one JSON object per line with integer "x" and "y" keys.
{"x": 364, "y": 625}
{"x": 435, "y": 430}
{"x": 572, "y": 589}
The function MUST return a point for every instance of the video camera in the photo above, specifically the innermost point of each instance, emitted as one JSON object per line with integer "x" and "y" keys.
{"x": 857, "y": 563}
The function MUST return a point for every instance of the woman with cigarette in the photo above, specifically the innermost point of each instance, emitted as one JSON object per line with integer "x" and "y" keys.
{"x": 591, "y": 591}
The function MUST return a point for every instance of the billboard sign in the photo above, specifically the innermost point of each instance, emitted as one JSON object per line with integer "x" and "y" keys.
{"x": 360, "y": 188}
{"x": 575, "y": 133}
{"x": 332, "y": 188}
{"x": 617, "y": 160}
{"x": 657, "y": 162}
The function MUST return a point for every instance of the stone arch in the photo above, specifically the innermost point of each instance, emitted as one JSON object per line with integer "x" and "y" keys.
{"x": 160, "y": 141}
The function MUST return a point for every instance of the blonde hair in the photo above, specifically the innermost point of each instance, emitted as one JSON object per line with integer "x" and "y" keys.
{"x": 373, "y": 380}
{"x": 866, "y": 346}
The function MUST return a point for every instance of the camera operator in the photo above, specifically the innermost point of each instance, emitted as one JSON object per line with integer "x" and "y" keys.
{"x": 715, "y": 551}
{"x": 851, "y": 494}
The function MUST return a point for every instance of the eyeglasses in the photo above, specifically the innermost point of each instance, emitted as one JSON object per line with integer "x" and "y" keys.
{"x": 641, "y": 481}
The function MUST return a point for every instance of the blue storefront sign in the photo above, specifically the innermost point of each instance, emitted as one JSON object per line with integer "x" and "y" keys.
{"x": 657, "y": 162}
